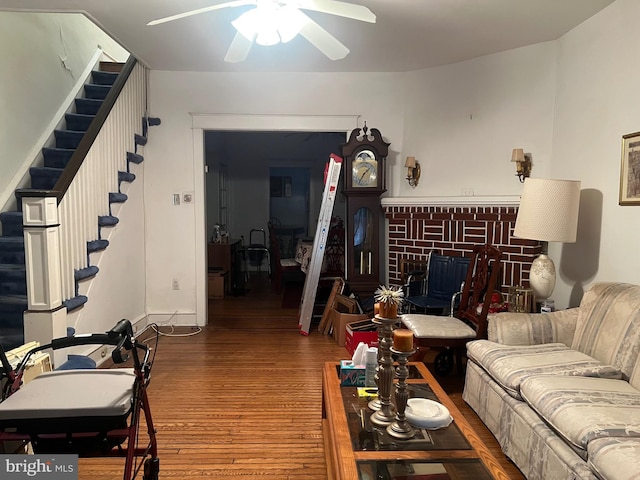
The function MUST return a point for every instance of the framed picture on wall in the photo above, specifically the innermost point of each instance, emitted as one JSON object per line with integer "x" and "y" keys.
{"x": 630, "y": 170}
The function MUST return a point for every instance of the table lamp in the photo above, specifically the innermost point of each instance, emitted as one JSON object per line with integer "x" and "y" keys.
{"x": 548, "y": 212}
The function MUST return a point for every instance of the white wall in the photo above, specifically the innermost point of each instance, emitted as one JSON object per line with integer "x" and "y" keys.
{"x": 42, "y": 57}
{"x": 173, "y": 231}
{"x": 597, "y": 103}
{"x": 462, "y": 121}
{"x": 567, "y": 103}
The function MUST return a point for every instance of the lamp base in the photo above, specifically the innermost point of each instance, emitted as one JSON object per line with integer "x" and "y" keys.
{"x": 542, "y": 277}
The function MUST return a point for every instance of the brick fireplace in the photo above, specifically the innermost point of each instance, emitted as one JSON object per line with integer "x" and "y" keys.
{"x": 417, "y": 229}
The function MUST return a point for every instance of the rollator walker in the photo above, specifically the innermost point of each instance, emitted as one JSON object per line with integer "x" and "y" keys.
{"x": 91, "y": 413}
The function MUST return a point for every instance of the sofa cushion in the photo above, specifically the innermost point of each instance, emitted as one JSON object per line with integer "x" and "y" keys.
{"x": 581, "y": 409}
{"x": 510, "y": 365}
{"x": 617, "y": 458}
{"x": 434, "y": 326}
{"x": 608, "y": 326}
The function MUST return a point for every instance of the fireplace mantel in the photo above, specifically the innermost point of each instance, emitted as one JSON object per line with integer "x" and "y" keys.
{"x": 478, "y": 201}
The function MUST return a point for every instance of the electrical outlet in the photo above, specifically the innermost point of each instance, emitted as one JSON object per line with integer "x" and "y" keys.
{"x": 187, "y": 197}
{"x": 175, "y": 284}
{"x": 103, "y": 352}
{"x": 467, "y": 192}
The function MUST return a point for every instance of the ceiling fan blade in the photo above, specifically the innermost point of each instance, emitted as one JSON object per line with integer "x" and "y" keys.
{"x": 235, "y": 3}
{"x": 323, "y": 40}
{"x": 239, "y": 49}
{"x": 342, "y": 9}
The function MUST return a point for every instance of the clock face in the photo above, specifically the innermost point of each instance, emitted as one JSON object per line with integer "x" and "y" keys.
{"x": 364, "y": 171}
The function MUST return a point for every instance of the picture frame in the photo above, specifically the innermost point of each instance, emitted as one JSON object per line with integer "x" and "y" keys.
{"x": 630, "y": 170}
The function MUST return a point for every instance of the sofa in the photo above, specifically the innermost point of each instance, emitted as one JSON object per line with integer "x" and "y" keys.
{"x": 560, "y": 391}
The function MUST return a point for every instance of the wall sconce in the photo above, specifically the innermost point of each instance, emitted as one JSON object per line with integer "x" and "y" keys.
{"x": 413, "y": 171}
{"x": 523, "y": 164}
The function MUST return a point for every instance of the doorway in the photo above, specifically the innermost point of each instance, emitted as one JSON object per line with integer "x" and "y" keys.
{"x": 204, "y": 172}
{"x": 289, "y": 206}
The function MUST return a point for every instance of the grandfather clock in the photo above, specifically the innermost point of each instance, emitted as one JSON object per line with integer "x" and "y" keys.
{"x": 364, "y": 157}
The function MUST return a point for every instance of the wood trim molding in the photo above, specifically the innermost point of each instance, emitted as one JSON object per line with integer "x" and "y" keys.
{"x": 479, "y": 201}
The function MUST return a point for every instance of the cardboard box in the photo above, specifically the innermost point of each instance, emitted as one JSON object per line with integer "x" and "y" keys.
{"x": 340, "y": 320}
{"x": 363, "y": 331}
{"x": 217, "y": 283}
{"x": 351, "y": 375}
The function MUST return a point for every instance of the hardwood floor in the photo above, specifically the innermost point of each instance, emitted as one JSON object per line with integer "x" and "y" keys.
{"x": 242, "y": 398}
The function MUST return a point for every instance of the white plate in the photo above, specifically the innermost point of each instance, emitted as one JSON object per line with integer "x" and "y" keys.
{"x": 425, "y": 413}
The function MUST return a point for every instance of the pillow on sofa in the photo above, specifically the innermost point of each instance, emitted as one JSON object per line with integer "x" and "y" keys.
{"x": 509, "y": 365}
{"x": 608, "y": 326}
{"x": 582, "y": 409}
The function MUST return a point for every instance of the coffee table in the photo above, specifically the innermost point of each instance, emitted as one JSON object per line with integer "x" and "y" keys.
{"x": 355, "y": 449}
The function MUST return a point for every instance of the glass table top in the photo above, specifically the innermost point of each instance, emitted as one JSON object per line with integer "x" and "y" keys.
{"x": 368, "y": 436}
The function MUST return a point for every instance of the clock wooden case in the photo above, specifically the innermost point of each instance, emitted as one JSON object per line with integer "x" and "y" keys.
{"x": 364, "y": 156}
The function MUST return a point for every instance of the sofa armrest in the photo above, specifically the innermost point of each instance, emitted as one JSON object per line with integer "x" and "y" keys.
{"x": 533, "y": 328}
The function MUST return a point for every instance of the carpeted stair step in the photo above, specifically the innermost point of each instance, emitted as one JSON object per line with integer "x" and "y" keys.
{"x": 13, "y": 279}
{"x": 84, "y": 273}
{"x": 44, "y": 178}
{"x": 97, "y": 245}
{"x": 134, "y": 158}
{"x": 107, "y": 221}
{"x": 12, "y": 250}
{"x": 78, "y": 122}
{"x": 88, "y": 106}
{"x": 117, "y": 197}
{"x": 57, "y": 157}
{"x": 103, "y": 78}
{"x": 140, "y": 140}
{"x": 12, "y": 308}
{"x": 68, "y": 138}
{"x": 11, "y": 224}
{"x": 94, "y": 91}
{"x": 149, "y": 122}
{"x": 75, "y": 302}
{"x": 126, "y": 177}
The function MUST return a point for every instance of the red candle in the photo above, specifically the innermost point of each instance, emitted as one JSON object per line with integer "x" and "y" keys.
{"x": 403, "y": 340}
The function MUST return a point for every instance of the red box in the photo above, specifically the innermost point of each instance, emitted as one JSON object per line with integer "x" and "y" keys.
{"x": 363, "y": 331}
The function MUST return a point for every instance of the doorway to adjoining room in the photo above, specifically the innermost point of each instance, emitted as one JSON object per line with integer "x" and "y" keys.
{"x": 289, "y": 206}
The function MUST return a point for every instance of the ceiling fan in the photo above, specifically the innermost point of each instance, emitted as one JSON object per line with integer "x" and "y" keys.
{"x": 278, "y": 21}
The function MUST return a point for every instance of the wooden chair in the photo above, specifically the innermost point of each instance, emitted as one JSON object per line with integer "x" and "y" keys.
{"x": 470, "y": 319}
{"x": 436, "y": 290}
{"x": 280, "y": 267}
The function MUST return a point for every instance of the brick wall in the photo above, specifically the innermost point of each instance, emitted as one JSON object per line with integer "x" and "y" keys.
{"x": 416, "y": 230}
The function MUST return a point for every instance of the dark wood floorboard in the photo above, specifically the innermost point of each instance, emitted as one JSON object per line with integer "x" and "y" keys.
{"x": 242, "y": 398}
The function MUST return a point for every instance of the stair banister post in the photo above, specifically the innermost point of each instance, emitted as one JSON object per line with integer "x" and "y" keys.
{"x": 45, "y": 318}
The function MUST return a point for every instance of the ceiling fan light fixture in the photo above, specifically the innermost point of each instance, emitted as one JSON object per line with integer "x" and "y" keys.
{"x": 290, "y": 21}
{"x": 269, "y": 25}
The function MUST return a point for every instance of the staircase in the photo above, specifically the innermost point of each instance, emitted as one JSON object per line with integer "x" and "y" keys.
{"x": 43, "y": 179}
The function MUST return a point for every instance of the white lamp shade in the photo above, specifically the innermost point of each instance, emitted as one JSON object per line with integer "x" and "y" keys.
{"x": 517, "y": 155}
{"x": 548, "y": 210}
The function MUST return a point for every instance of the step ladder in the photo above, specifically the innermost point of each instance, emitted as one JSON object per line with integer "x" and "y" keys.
{"x": 332, "y": 175}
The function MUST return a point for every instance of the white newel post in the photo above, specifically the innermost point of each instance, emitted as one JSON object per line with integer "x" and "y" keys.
{"x": 45, "y": 317}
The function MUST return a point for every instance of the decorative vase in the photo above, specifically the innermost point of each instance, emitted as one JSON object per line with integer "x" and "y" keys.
{"x": 388, "y": 310}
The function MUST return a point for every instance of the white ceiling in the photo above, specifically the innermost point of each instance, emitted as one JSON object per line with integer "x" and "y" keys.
{"x": 408, "y": 35}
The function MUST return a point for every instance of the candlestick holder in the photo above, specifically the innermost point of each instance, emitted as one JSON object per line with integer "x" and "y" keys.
{"x": 375, "y": 403}
{"x": 400, "y": 428}
{"x": 385, "y": 413}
